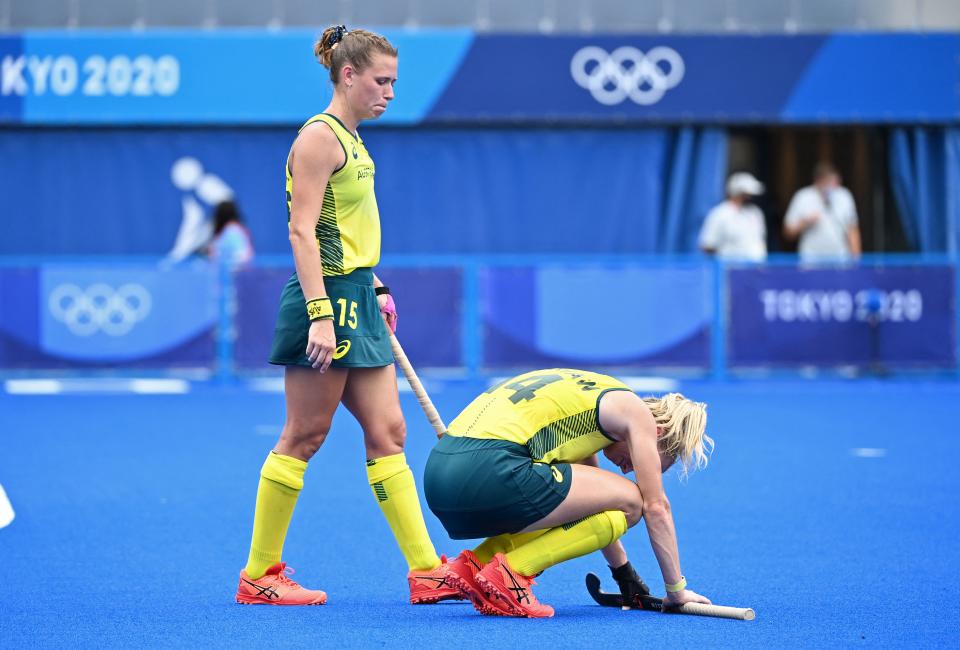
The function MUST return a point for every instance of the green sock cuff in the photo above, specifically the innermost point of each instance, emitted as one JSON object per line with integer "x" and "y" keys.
{"x": 380, "y": 469}
{"x": 285, "y": 470}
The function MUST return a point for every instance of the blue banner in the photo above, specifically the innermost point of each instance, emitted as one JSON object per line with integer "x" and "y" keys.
{"x": 197, "y": 77}
{"x": 895, "y": 317}
{"x": 429, "y": 305}
{"x": 808, "y": 78}
{"x": 269, "y": 77}
{"x": 60, "y": 316}
{"x": 576, "y": 316}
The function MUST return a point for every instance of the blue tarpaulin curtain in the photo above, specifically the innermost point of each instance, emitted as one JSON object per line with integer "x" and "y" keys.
{"x": 440, "y": 190}
{"x": 557, "y": 190}
{"x": 693, "y": 184}
{"x": 925, "y": 173}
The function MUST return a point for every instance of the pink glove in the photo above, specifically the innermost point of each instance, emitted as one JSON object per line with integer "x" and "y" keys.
{"x": 389, "y": 311}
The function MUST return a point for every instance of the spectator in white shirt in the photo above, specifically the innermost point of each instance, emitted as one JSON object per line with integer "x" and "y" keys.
{"x": 735, "y": 229}
{"x": 824, "y": 217}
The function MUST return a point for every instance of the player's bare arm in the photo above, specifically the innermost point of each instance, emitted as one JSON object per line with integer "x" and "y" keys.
{"x": 626, "y": 418}
{"x": 315, "y": 156}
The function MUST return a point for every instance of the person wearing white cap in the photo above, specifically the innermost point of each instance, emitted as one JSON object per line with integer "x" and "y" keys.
{"x": 823, "y": 217}
{"x": 735, "y": 229}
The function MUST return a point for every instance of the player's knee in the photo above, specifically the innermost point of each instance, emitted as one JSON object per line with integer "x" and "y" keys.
{"x": 397, "y": 430}
{"x": 387, "y": 437}
{"x": 306, "y": 435}
{"x": 632, "y": 506}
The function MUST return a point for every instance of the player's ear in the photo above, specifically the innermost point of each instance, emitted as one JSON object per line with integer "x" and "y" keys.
{"x": 348, "y": 74}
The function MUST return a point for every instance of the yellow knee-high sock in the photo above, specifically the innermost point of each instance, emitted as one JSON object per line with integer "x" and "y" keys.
{"x": 392, "y": 484}
{"x": 281, "y": 479}
{"x": 504, "y": 544}
{"x": 568, "y": 541}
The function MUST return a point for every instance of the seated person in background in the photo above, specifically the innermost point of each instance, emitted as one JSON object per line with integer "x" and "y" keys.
{"x": 519, "y": 466}
{"x": 735, "y": 229}
{"x": 824, "y": 217}
{"x": 231, "y": 239}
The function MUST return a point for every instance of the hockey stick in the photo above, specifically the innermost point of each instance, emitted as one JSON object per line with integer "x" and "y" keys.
{"x": 428, "y": 408}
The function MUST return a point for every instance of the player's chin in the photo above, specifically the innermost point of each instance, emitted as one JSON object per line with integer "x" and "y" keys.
{"x": 376, "y": 111}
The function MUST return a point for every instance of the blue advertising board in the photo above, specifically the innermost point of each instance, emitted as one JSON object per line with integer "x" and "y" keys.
{"x": 581, "y": 316}
{"x": 196, "y": 77}
{"x": 799, "y": 78}
{"x": 66, "y": 316}
{"x": 428, "y": 301}
{"x": 899, "y": 317}
{"x": 270, "y": 77}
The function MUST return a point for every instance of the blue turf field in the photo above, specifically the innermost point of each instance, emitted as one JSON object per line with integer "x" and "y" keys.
{"x": 134, "y": 515}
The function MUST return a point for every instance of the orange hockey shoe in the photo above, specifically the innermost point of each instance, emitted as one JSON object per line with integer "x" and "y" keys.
{"x": 275, "y": 588}
{"x": 429, "y": 586}
{"x": 499, "y": 581}
{"x": 462, "y": 574}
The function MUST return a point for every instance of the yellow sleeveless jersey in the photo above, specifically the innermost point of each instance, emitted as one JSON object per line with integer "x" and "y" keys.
{"x": 348, "y": 228}
{"x": 553, "y": 413}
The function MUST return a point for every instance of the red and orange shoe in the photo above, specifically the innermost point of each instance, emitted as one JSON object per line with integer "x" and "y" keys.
{"x": 429, "y": 586}
{"x": 462, "y": 574}
{"x": 499, "y": 582}
{"x": 275, "y": 588}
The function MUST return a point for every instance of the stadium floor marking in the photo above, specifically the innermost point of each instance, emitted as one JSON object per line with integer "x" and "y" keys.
{"x": 868, "y": 452}
{"x": 275, "y": 385}
{"x": 32, "y": 386}
{"x": 637, "y": 383}
{"x": 81, "y": 386}
{"x": 273, "y": 430}
{"x": 650, "y": 384}
{"x": 6, "y": 510}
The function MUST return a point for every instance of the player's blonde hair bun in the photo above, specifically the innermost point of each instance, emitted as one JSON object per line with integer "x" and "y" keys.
{"x": 684, "y": 424}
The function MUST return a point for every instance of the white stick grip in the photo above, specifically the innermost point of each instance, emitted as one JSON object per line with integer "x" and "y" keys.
{"x": 428, "y": 408}
{"x": 718, "y": 611}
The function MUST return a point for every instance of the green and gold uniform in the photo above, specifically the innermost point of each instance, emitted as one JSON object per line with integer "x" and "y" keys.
{"x": 348, "y": 235}
{"x": 504, "y": 461}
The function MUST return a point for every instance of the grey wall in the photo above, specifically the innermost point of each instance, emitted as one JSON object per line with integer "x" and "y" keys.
{"x": 500, "y": 15}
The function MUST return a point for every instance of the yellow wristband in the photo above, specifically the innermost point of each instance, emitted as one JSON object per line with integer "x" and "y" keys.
{"x": 319, "y": 309}
{"x": 674, "y": 588}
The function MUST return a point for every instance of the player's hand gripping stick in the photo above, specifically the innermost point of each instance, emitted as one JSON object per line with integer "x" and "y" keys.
{"x": 656, "y": 604}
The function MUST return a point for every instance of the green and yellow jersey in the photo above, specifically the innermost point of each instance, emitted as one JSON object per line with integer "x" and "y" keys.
{"x": 553, "y": 413}
{"x": 348, "y": 227}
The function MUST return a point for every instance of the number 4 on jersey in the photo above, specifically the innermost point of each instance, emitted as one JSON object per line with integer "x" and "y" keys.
{"x": 526, "y": 388}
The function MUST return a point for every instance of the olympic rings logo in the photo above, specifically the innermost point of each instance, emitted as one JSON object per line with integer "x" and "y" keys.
{"x": 627, "y": 72}
{"x": 100, "y": 308}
